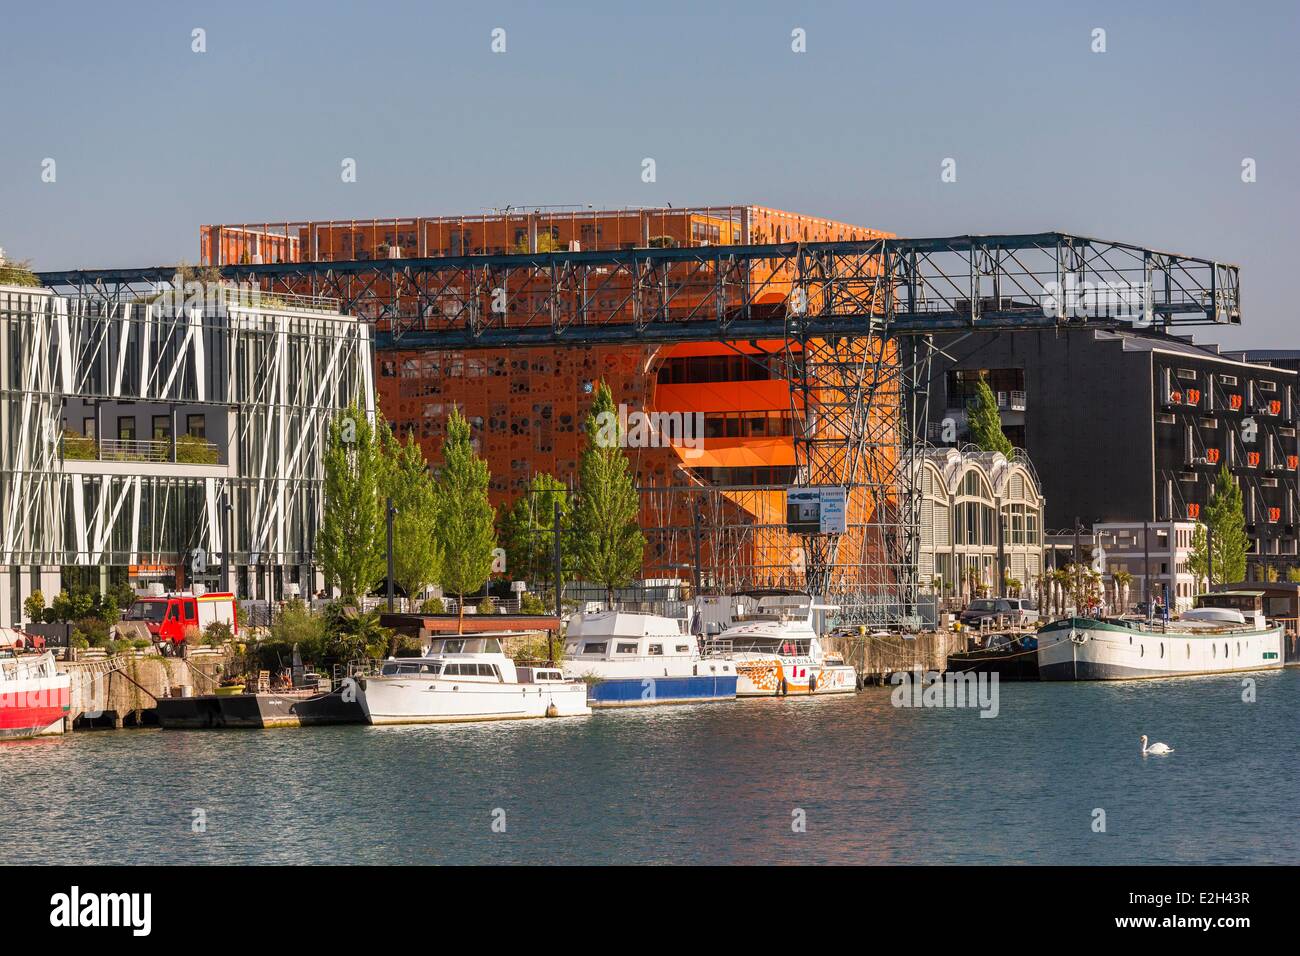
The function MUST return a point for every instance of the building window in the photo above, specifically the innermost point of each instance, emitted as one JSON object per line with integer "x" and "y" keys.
{"x": 196, "y": 425}
{"x": 126, "y": 428}
{"x": 88, "y": 427}
{"x": 162, "y": 428}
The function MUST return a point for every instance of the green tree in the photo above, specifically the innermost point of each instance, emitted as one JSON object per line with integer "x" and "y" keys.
{"x": 417, "y": 557}
{"x": 1123, "y": 579}
{"x": 72, "y": 605}
{"x": 528, "y": 532}
{"x": 351, "y": 634}
{"x": 1198, "y": 557}
{"x": 352, "y": 535}
{"x": 34, "y": 606}
{"x": 609, "y": 545}
{"x": 984, "y": 421}
{"x": 17, "y": 273}
{"x": 1225, "y": 517}
{"x": 466, "y": 530}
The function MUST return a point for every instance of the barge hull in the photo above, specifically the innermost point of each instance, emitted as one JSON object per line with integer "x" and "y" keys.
{"x": 258, "y": 711}
{"x": 652, "y": 691}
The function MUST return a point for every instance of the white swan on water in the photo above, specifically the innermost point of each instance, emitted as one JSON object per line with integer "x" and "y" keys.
{"x": 1156, "y": 748}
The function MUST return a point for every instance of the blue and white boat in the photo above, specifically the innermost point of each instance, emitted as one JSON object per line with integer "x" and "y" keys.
{"x": 639, "y": 660}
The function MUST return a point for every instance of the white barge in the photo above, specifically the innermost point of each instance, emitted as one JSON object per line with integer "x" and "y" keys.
{"x": 1227, "y": 633}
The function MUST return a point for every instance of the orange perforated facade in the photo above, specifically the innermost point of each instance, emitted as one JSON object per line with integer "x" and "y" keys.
{"x": 527, "y": 405}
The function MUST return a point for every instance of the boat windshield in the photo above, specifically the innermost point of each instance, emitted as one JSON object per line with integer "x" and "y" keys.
{"x": 465, "y": 645}
{"x": 1245, "y": 601}
{"x": 428, "y": 668}
{"x": 783, "y": 646}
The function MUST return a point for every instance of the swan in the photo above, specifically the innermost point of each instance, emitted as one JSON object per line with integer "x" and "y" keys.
{"x": 1156, "y": 748}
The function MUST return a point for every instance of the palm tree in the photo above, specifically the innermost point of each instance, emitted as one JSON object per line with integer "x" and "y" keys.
{"x": 1123, "y": 578}
{"x": 1062, "y": 579}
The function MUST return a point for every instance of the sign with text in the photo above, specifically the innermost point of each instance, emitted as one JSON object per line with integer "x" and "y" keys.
{"x": 816, "y": 510}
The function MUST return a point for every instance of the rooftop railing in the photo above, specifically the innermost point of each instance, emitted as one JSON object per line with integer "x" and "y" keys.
{"x": 189, "y": 450}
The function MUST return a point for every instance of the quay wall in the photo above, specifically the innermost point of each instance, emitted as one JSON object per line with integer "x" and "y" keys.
{"x": 876, "y": 656}
{"x": 121, "y": 691}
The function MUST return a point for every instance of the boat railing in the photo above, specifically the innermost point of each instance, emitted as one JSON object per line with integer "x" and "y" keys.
{"x": 358, "y": 668}
{"x": 717, "y": 647}
{"x": 616, "y": 658}
{"x": 534, "y": 662}
{"x": 781, "y": 648}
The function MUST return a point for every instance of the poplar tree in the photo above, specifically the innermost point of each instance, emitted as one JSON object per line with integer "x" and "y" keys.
{"x": 1198, "y": 556}
{"x": 609, "y": 544}
{"x": 1225, "y": 516}
{"x": 985, "y": 423}
{"x": 351, "y": 538}
{"x": 417, "y": 556}
{"x": 528, "y": 531}
{"x": 466, "y": 521}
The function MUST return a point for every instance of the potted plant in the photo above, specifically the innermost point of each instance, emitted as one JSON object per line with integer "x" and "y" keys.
{"x": 230, "y": 687}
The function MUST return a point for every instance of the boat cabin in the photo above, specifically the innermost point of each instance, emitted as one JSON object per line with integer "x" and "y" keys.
{"x": 1250, "y": 604}
{"x": 615, "y": 636}
{"x": 469, "y": 657}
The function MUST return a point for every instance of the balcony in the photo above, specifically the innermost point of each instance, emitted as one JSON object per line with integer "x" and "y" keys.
{"x": 187, "y": 450}
{"x": 1011, "y": 401}
{"x": 1006, "y": 401}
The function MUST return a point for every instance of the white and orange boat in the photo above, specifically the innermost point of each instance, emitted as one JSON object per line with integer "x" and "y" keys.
{"x": 34, "y": 696}
{"x": 778, "y": 653}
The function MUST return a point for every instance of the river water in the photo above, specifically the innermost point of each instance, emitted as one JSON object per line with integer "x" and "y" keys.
{"x": 833, "y": 780}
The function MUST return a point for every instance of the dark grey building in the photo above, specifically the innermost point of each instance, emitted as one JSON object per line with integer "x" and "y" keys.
{"x": 1124, "y": 426}
{"x": 1279, "y": 358}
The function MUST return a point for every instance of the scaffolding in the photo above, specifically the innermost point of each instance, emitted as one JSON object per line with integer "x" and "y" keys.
{"x": 266, "y": 380}
{"x": 856, "y": 319}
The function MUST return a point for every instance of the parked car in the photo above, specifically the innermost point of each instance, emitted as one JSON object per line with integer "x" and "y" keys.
{"x": 1009, "y": 612}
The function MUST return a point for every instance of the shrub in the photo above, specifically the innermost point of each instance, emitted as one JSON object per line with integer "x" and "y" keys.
{"x": 77, "y": 446}
{"x": 295, "y": 623}
{"x": 72, "y": 605}
{"x": 530, "y": 603}
{"x": 217, "y": 633}
{"x": 123, "y": 595}
{"x": 34, "y": 606}
{"x": 17, "y": 273}
{"x": 194, "y": 450}
{"x": 433, "y": 606}
{"x": 142, "y": 643}
{"x": 535, "y": 648}
{"x": 406, "y": 646}
{"x": 95, "y": 630}
{"x": 351, "y": 634}
{"x": 486, "y": 606}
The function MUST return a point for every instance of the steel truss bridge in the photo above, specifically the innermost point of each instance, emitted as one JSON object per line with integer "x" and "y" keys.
{"x": 857, "y": 319}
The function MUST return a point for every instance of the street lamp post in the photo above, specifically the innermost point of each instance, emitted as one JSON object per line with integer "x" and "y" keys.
{"x": 558, "y": 557}
{"x": 226, "y": 509}
{"x": 390, "y": 513}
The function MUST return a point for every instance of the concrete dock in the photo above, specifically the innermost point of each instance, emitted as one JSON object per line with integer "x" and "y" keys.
{"x": 123, "y": 690}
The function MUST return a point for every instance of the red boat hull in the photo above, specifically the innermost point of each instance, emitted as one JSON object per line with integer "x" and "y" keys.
{"x": 32, "y": 710}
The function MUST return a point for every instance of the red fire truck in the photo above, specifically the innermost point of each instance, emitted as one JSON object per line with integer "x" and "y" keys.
{"x": 170, "y": 617}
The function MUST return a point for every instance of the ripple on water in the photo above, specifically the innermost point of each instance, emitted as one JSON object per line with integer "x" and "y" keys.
{"x": 715, "y": 783}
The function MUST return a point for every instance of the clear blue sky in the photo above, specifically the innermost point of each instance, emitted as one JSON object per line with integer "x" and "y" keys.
{"x": 1142, "y": 143}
